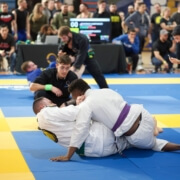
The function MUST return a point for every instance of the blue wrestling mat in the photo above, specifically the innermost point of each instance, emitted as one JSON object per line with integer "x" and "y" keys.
{"x": 25, "y": 151}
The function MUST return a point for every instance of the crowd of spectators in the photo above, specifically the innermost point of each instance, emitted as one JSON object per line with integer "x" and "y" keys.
{"x": 131, "y": 29}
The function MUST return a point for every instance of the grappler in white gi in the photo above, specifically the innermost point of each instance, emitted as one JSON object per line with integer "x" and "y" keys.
{"x": 108, "y": 107}
{"x": 58, "y": 124}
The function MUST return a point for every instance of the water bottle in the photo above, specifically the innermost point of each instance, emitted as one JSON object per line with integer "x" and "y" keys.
{"x": 38, "y": 40}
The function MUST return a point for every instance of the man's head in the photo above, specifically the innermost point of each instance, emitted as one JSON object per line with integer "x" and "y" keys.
{"x": 130, "y": 9}
{"x": 22, "y": 4}
{"x": 131, "y": 33}
{"x": 157, "y": 8}
{"x": 40, "y": 103}
{"x": 136, "y": 4}
{"x": 57, "y": 4}
{"x": 142, "y": 7}
{"x": 28, "y": 66}
{"x": 176, "y": 34}
{"x": 4, "y": 7}
{"x": 71, "y": 8}
{"x": 4, "y": 31}
{"x": 64, "y": 8}
{"x": 50, "y": 5}
{"x": 65, "y": 34}
{"x": 164, "y": 35}
{"x": 63, "y": 64}
{"x": 101, "y": 4}
{"x": 78, "y": 87}
{"x": 113, "y": 8}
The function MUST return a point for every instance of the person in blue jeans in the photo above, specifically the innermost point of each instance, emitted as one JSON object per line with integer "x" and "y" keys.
{"x": 161, "y": 50}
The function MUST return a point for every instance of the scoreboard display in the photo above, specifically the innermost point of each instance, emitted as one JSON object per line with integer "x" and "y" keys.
{"x": 97, "y": 30}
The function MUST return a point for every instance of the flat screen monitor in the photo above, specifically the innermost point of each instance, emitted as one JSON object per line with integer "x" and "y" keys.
{"x": 96, "y": 29}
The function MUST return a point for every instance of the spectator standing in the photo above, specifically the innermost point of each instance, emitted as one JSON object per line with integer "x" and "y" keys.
{"x": 57, "y": 5}
{"x": 131, "y": 47}
{"x": 84, "y": 12}
{"x": 155, "y": 22}
{"x": 62, "y": 18}
{"x": 176, "y": 15}
{"x": 22, "y": 20}
{"x": 7, "y": 47}
{"x": 140, "y": 22}
{"x": 101, "y": 10}
{"x": 36, "y": 19}
{"x": 116, "y": 28}
{"x": 161, "y": 49}
{"x": 71, "y": 8}
{"x": 136, "y": 4}
{"x": 130, "y": 10}
{"x": 51, "y": 10}
{"x": 166, "y": 22}
{"x": 7, "y": 18}
{"x": 45, "y": 9}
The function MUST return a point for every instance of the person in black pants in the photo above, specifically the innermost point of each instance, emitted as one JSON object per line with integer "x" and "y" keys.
{"x": 77, "y": 46}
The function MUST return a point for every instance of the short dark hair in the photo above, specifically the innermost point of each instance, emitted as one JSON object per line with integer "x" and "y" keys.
{"x": 78, "y": 84}
{"x": 131, "y": 30}
{"x": 63, "y": 59}
{"x": 3, "y": 26}
{"x": 101, "y": 1}
{"x": 176, "y": 31}
{"x": 141, "y": 3}
{"x": 157, "y": 4}
{"x": 4, "y": 3}
{"x": 36, "y": 104}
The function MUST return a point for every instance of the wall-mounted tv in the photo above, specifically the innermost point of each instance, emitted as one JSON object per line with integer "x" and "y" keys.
{"x": 97, "y": 30}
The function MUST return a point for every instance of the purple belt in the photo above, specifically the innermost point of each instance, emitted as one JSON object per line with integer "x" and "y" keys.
{"x": 121, "y": 117}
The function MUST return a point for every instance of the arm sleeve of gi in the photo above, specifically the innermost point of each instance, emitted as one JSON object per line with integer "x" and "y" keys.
{"x": 81, "y": 130}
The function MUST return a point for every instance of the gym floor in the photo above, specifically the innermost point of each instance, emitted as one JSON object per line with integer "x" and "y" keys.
{"x": 25, "y": 151}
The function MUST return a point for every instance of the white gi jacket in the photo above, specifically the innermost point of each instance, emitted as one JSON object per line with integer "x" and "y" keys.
{"x": 102, "y": 105}
{"x": 100, "y": 140}
{"x": 105, "y": 106}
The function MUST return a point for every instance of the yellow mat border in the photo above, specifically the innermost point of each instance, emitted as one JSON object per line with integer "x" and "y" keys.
{"x": 172, "y": 80}
{"x": 30, "y": 123}
{"x": 12, "y": 162}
